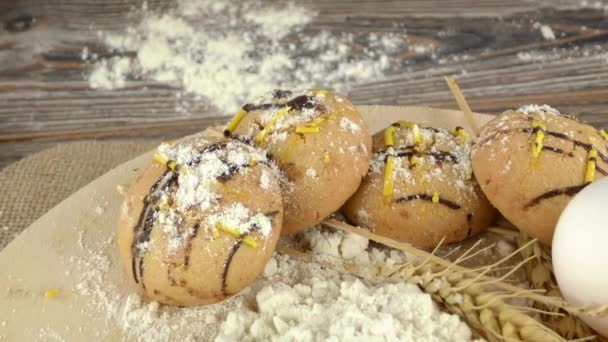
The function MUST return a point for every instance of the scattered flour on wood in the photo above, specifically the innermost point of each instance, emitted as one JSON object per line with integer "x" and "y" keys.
{"x": 292, "y": 301}
{"x": 547, "y": 32}
{"x": 229, "y": 52}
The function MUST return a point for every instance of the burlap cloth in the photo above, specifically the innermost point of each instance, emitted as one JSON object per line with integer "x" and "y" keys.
{"x": 35, "y": 184}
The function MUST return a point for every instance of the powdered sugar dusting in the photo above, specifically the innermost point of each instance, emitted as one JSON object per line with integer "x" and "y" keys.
{"x": 199, "y": 164}
{"x": 197, "y": 183}
{"x": 310, "y": 172}
{"x": 236, "y": 216}
{"x": 537, "y": 109}
{"x": 441, "y": 154}
{"x": 265, "y": 180}
{"x": 346, "y": 123}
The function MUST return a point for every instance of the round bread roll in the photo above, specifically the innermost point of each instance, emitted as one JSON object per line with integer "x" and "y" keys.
{"x": 319, "y": 140}
{"x": 419, "y": 188}
{"x": 530, "y": 162}
{"x": 201, "y": 222}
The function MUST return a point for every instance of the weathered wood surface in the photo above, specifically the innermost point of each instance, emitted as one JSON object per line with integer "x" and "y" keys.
{"x": 492, "y": 47}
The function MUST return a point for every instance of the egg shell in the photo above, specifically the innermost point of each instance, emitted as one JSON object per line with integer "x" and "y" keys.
{"x": 580, "y": 251}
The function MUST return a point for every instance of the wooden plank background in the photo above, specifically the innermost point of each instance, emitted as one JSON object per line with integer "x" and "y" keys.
{"x": 45, "y": 98}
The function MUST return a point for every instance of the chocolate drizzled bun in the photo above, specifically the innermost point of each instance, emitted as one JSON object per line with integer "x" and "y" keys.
{"x": 531, "y": 161}
{"x": 320, "y": 141}
{"x": 420, "y": 187}
{"x": 201, "y": 222}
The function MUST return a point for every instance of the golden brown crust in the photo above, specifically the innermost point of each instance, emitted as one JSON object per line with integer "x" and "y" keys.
{"x": 187, "y": 260}
{"x": 439, "y": 167}
{"x": 324, "y": 165}
{"x": 530, "y": 191}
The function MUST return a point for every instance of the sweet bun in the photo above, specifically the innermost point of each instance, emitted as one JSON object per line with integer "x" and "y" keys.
{"x": 201, "y": 222}
{"x": 531, "y": 161}
{"x": 318, "y": 139}
{"x": 420, "y": 188}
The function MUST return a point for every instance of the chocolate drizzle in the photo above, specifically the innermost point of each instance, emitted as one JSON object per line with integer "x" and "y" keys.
{"x": 134, "y": 270}
{"x": 567, "y": 191}
{"x": 228, "y": 174}
{"x": 231, "y": 254}
{"x": 428, "y": 198}
{"x": 237, "y": 246}
{"x": 141, "y": 272}
{"x": 587, "y": 147}
{"x": 191, "y": 237}
{"x": 145, "y": 222}
{"x": 439, "y": 156}
{"x": 281, "y": 94}
{"x": 557, "y": 151}
{"x": 470, "y": 223}
{"x": 250, "y": 107}
{"x": 297, "y": 103}
{"x": 218, "y": 146}
{"x": 434, "y": 129}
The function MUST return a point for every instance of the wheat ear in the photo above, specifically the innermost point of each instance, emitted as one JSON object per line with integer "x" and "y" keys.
{"x": 541, "y": 276}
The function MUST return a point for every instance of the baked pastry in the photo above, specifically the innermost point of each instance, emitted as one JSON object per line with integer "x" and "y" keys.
{"x": 318, "y": 139}
{"x": 201, "y": 222}
{"x": 531, "y": 161}
{"x": 420, "y": 187}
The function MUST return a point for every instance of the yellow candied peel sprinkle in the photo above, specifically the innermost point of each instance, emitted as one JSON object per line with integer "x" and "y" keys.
{"x": 603, "y": 134}
{"x": 387, "y": 182}
{"x": 414, "y": 160}
{"x": 591, "y": 164}
{"x": 159, "y": 158}
{"x": 51, "y": 293}
{"x": 172, "y": 165}
{"x": 537, "y": 143}
{"x": 417, "y": 134}
{"x": 461, "y": 134}
{"x": 248, "y": 240}
{"x": 389, "y": 134}
{"x": 316, "y": 122}
{"x": 326, "y": 158}
{"x": 276, "y": 117}
{"x": 307, "y": 129}
{"x": 164, "y": 206}
{"x": 435, "y": 198}
{"x": 235, "y": 121}
{"x": 539, "y": 124}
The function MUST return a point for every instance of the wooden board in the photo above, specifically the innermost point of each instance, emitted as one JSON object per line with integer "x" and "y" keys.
{"x": 493, "y": 47}
{"x": 46, "y": 255}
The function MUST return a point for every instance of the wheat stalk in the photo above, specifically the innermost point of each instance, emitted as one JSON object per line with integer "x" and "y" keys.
{"x": 541, "y": 276}
{"x": 463, "y": 105}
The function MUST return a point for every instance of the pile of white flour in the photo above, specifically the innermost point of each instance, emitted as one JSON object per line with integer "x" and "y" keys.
{"x": 230, "y": 51}
{"x": 293, "y": 301}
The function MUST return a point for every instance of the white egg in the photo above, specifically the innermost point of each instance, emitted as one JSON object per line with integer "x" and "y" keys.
{"x": 580, "y": 251}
